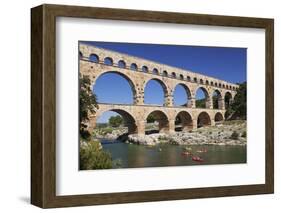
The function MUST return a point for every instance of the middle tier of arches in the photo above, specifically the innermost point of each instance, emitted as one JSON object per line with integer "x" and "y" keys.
{"x": 139, "y": 82}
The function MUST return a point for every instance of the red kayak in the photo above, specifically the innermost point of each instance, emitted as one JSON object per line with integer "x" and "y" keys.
{"x": 198, "y": 159}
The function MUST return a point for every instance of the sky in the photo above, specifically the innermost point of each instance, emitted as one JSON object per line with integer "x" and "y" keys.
{"x": 224, "y": 63}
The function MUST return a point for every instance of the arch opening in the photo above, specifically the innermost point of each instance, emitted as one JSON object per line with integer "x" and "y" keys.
{"x": 182, "y": 96}
{"x": 144, "y": 68}
{"x": 94, "y": 58}
{"x": 121, "y": 64}
{"x": 108, "y": 61}
{"x": 217, "y": 100}
{"x": 203, "y": 120}
{"x": 155, "y": 71}
{"x": 114, "y": 87}
{"x": 165, "y": 73}
{"x": 218, "y": 118}
{"x": 227, "y": 100}
{"x": 181, "y": 77}
{"x": 134, "y": 67}
{"x": 155, "y": 92}
{"x": 157, "y": 122}
{"x": 202, "y": 98}
{"x": 183, "y": 122}
{"x": 117, "y": 118}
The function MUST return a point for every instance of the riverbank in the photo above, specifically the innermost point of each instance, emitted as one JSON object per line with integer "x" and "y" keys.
{"x": 227, "y": 133}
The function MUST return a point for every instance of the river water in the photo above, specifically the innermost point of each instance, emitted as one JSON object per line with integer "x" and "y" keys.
{"x": 136, "y": 156}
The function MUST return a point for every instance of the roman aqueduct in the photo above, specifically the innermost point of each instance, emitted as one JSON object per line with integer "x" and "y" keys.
{"x": 95, "y": 62}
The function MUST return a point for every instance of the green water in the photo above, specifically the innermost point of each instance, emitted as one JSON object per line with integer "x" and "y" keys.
{"x": 135, "y": 156}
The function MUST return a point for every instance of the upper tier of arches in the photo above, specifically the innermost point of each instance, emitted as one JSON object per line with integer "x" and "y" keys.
{"x": 154, "y": 70}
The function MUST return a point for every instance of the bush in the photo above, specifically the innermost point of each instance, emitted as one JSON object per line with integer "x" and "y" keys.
{"x": 244, "y": 134}
{"x": 234, "y": 135}
{"x": 93, "y": 157}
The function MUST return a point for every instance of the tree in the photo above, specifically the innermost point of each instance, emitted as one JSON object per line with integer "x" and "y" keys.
{"x": 150, "y": 119}
{"x": 200, "y": 103}
{"x": 115, "y": 121}
{"x": 238, "y": 108}
{"x": 92, "y": 156}
{"x": 88, "y": 104}
{"x": 215, "y": 102}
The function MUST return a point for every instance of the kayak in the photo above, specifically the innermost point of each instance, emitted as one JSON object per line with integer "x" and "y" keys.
{"x": 198, "y": 159}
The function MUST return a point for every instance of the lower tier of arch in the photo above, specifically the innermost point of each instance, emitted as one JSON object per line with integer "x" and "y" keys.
{"x": 135, "y": 117}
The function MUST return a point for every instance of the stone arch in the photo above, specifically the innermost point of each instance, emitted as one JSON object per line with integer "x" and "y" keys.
{"x": 218, "y": 117}
{"x": 188, "y": 93}
{"x": 94, "y": 58}
{"x": 203, "y": 119}
{"x": 128, "y": 119}
{"x": 217, "y": 100}
{"x": 201, "y": 81}
{"x": 144, "y": 68}
{"x": 181, "y": 77}
{"x": 207, "y": 97}
{"x": 129, "y": 80}
{"x": 227, "y": 99}
{"x": 161, "y": 118}
{"x": 108, "y": 61}
{"x": 134, "y": 67}
{"x": 155, "y": 71}
{"x": 185, "y": 121}
{"x": 165, "y": 73}
{"x": 174, "y": 75}
{"x": 188, "y": 78}
{"x": 163, "y": 85}
{"x": 122, "y": 64}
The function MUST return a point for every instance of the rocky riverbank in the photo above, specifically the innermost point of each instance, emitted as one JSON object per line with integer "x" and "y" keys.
{"x": 228, "y": 133}
{"x": 109, "y": 133}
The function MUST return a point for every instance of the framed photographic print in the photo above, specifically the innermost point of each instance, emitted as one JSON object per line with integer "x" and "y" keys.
{"x": 136, "y": 106}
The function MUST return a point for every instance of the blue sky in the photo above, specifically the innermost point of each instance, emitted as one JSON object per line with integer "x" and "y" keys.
{"x": 224, "y": 63}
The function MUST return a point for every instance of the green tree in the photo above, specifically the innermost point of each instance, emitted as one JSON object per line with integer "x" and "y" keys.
{"x": 88, "y": 104}
{"x": 215, "y": 102}
{"x": 200, "y": 103}
{"x": 238, "y": 108}
{"x": 92, "y": 156}
{"x": 150, "y": 119}
{"x": 115, "y": 121}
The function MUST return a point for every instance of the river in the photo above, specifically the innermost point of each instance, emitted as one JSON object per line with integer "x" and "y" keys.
{"x": 136, "y": 156}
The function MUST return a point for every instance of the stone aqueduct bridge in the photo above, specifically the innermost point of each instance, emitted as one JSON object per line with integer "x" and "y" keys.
{"x": 95, "y": 62}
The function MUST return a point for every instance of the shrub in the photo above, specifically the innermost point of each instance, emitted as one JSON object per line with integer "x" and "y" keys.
{"x": 244, "y": 134}
{"x": 234, "y": 135}
{"x": 92, "y": 156}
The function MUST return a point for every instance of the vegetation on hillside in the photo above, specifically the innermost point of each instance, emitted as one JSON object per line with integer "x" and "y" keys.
{"x": 93, "y": 157}
{"x": 115, "y": 121}
{"x": 201, "y": 103}
{"x": 238, "y": 108}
